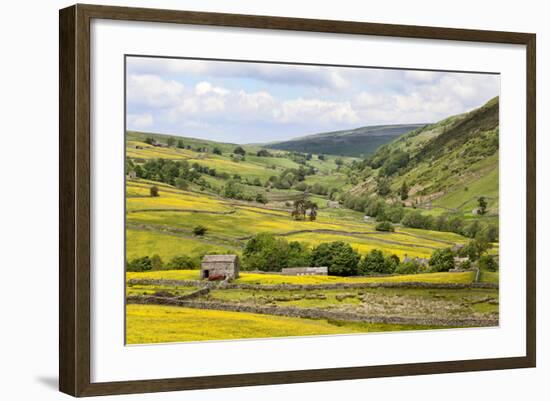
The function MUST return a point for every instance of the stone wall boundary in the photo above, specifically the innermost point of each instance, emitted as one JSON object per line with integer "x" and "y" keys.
{"x": 310, "y": 313}
{"x": 317, "y": 287}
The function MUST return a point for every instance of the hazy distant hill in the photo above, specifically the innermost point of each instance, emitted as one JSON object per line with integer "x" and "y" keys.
{"x": 361, "y": 141}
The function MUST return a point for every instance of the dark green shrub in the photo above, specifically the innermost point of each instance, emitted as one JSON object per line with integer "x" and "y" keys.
{"x": 139, "y": 264}
{"x": 156, "y": 262}
{"x": 442, "y": 260}
{"x": 487, "y": 262}
{"x": 384, "y": 226}
{"x": 180, "y": 262}
{"x": 199, "y": 230}
{"x": 263, "y": 153}
{"x": 410, "y": 267}
{"x": 239, "y": 151}
{"x": 261, "y": 198}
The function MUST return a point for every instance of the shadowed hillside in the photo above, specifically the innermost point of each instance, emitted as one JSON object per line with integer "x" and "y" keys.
{"x": 357, "y": 142}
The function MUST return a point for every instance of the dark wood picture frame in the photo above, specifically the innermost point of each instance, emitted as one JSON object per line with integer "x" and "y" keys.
{"x": 74, "y": 199}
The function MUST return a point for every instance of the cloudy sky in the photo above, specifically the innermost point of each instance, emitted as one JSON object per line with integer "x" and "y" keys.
{"x": 258, "y": 102}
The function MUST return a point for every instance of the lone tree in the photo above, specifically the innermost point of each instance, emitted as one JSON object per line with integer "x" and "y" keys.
{"x": 482, "y": 203}
{"x": 404, "y": 191}
{"x": 154, "y": 191}
{"x": 312, "y": 211}
{"x": 171, "y": 141}
{"x": 299, "y": 212}
{"x": 239, "y": 151}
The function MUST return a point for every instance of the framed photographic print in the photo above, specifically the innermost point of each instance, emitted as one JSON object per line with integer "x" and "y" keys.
{"x": 298, "y": 200}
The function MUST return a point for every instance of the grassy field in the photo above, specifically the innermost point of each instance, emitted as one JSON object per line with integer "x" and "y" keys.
{"x": 159, "y": 324}
{"x": 256, "y": 278}
{"x": 148, "y": 243}
{"x": 230, "y": 223}
{"x": 464, "y": 197}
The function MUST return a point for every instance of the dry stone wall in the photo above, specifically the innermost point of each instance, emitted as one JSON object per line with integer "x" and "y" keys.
{"x": 311, "y": 313}
{"x": 317, "y": 287}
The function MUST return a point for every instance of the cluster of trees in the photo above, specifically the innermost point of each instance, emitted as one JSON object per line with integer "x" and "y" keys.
{"x": 396, "y": 213}
{"x": 476, "y": 250}
{"x": 181, "y": 174}
{"x": 263, "y": 153}
{"x": 388, "y": 162}
{"x": 317, "y": 189}
{"x": 179, "y": 143}
{"x": 234, "y": 190}
{"x": 290, "y": 177}
{"x": 293, "y": 178}
{"x": 178, "y": 173}
{"x": 266, "y": 252}
{"x": 301, "y": 206}
{"x": 300, "y": 158}
{"x": 155, "y": 262}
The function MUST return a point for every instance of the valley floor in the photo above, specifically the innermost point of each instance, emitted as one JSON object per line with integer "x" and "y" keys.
{"x": 168, "y": 306}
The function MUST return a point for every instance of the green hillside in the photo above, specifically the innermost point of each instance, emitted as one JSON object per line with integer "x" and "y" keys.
{"x": 443, "y": 167}
{"x": 359, "y": 142}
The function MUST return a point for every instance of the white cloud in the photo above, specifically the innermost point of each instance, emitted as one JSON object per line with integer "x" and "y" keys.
{"x": 153, "y": 91}
{"x": 422, "y": 76}
{"x": 203, "y": 88}
{"x": 206, "y": 101}
{"x": 140, "y": 121}
{"x": 292, "y": 75}
{"x": 303, "y": 110}
{"x": 228, "y": 98}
